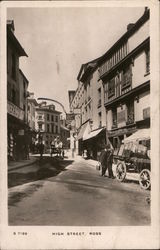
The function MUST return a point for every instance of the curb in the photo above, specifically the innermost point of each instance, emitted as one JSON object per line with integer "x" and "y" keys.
{"x": 22, "y": 166}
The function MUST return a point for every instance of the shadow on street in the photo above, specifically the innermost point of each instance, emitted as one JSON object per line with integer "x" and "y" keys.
{"x": 45, "y": 168}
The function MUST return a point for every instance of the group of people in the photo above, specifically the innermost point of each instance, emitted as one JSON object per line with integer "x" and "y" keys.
{"x": 57, "y": 146}
{"x": 106, "y": 160}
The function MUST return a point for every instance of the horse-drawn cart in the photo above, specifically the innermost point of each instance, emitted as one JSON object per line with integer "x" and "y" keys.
{"x": 134, "y": 156}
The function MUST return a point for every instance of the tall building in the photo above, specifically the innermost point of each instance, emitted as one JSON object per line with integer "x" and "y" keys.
{"x": 47, "y": 122}
{"x": 17, "y": 85}
{"x": 88, "y": 99}
{"x": 124, "y": 71}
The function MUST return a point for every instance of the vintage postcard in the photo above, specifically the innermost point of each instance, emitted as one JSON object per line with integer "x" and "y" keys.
{"x": 79, "y": 125}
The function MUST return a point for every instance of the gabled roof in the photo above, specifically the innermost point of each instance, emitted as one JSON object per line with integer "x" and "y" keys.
{"x": 87, "y": 68}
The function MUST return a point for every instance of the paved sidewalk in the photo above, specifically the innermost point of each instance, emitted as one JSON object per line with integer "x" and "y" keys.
{"x": 22, "y": 163}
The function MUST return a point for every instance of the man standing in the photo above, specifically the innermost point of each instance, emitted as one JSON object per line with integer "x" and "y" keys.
{"x": 106, "y": 159}
{"x": 103, "y": 160}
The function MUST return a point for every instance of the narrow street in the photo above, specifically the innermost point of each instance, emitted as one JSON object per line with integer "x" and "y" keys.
{"x": 71, "y": 192}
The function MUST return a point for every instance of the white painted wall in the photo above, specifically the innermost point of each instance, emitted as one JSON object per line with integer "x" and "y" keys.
{"x": 144, "y": 102}
{"x": 139, "y": 36}
{"x": 139, "y": 70}
{"x": 109, "y": 120}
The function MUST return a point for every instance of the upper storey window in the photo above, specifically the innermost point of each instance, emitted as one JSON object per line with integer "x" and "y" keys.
{"x": 126, "y": 77}
{"x": 147, "y": 61}
{"x": 111, "y": 88}
{"x": 115, "y": 58}
{"x": 13, "y": 66}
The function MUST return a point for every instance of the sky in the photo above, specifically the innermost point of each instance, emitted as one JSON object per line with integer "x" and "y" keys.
{"x": 59, "y": 40}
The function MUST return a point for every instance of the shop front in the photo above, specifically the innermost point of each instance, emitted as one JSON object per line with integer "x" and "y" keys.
{"x": 94, "y": 141}
{"x": 18, "y": 133}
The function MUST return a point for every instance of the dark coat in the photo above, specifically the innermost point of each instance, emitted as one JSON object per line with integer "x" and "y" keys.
{"x": 106, "y": 157}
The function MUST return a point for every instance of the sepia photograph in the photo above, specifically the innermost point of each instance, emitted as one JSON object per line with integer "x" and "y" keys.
{"x": 78, "y": 120}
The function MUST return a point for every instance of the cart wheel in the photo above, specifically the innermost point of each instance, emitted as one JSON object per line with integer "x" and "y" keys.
{"x": 145, "y": 179}
{"x": 121, "y": 171}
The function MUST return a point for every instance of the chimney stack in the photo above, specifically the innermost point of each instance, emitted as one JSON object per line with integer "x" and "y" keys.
{"x": 129, "y": 26}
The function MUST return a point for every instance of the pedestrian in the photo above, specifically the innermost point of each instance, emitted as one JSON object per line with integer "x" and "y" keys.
{"x": 110, "y": 162}
{"x": 41, "y": 149}
{"x": 103, "y": 160}
{"x": 106, "y": 160}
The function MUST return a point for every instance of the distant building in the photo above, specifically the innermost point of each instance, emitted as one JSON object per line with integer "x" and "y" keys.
{"x": 124, "y": 72}
{"x": 17, "y": 85}
{"x": 31, "y": 110}
{"x": 47, "y": 122}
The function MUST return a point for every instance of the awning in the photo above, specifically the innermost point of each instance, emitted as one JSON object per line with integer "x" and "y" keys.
{"x": 141, "y": 134}
{"x": 82, "y": 131}
{"x": 92, "y": 134}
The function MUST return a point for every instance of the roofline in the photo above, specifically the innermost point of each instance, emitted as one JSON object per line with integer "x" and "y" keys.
{"x": 84, "y": 64}
{"x": 16, "y": 43}
{"x": 128, "y": 33}
{"x": 50, "y": 110}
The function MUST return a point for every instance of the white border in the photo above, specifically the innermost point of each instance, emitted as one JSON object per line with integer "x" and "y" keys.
{"x": 112, "y": 237}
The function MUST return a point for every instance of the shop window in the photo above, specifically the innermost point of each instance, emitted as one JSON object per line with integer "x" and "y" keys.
{"x": 147, "y": 61}
{"x": 111, "y": 88}
{"x": 130, "y": 112}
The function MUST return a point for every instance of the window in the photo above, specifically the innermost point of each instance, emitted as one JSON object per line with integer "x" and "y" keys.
{"x": 13, "y": 66}
{"x": 47, "y": 127}
{"x": 147, "y": 61}
{"x": 111, "y": 88}
{"x": 99, "y": 97}
{"x": 13, "y": 96}
{"x": 52, "y": 118}
{"x": 130, "y": 112}
{"x": 52, "y": 128}
{"x": 56, "y": 129}
{"x": 114, "y": 118}
{"x": 47, "y": 117}
{"x": 40, "y": 126}
{"x": 29, "y": 108}
{"x": 40, "y": 117}
{"x": 127, "y": 77}
{"x": 56, "y": 118}
{"x": 100, "y": 119}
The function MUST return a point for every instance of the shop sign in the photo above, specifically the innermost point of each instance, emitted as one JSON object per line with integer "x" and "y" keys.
{"x": 146, "y": 113}
{"x": 70, "y": 117}
{"x": 15, "y": 111}
{"x": 121, "y": 116}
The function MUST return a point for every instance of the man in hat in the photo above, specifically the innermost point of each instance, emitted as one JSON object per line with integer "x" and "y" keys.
{"x": 106, "y": 159}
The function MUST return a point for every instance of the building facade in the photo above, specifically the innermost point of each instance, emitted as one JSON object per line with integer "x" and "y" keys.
{"x": 88, "y": 100}
{"x": 47, "y": 123}
{"x": 17, "y": 85}
{"x": 124, "y": 71}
